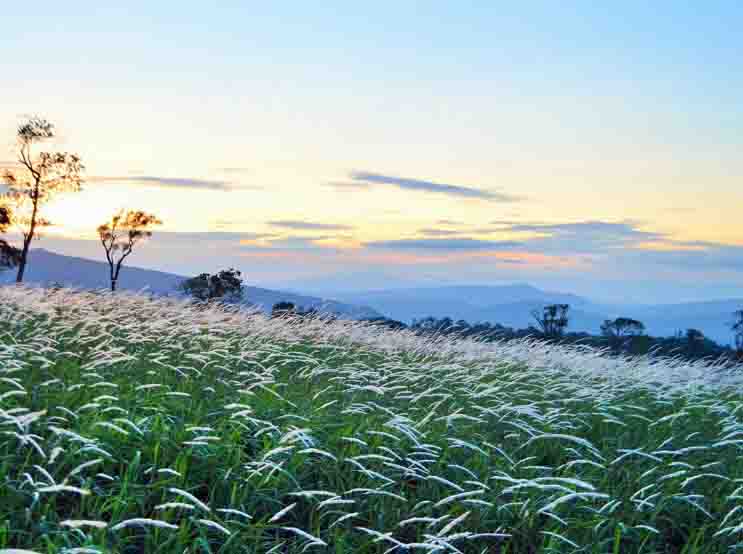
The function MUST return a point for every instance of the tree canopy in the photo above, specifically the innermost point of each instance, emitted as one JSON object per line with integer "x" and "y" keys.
{"x": 35, "y": 179}
{"x": 224, "y": 285}
{"x": 120, "y": 235}
{"x": 622, "y": 327}
{"x": 283, "y": 308}
{"x": 552, "y": 320}
{"x": 9, "y": 255}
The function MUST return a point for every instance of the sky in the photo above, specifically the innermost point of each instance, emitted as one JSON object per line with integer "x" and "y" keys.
{"x": 587, "y": 147}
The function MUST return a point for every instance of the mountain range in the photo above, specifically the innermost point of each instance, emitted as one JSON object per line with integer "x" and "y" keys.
{"x": 45, "y": 268}
{"x": 509, "y": 305}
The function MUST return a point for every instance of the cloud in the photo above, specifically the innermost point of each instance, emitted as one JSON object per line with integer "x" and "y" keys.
{"x": 585, "y": 236}
{"x": 687, "y": 270}
{"x": 308, "y": 225}
{"x": 256, "y": 236}
{"x": 507, "y": 222}
{"x": 443, "y": 244}
{"x": 693, "y": 256}
{"x": 594, "y": 228}
{"x": 367, "y": 179}
{"x": 227, "y": 226}
{"x": 625, "y": 245}
{"x": 431, "y": 232}
{"x": 167, "y": 182}
{"x": 292, "y": 242}
{"x": 206, "y": 239}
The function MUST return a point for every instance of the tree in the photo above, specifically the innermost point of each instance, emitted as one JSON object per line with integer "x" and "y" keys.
{"x": 9, "y": 255}
{"x": 618, "y": 330}
{"x": 36, "y": 179}
{"x": 120, "y": 235}
{"x": 227, "y": 284}
{"x": 694, "y": 342}
{"x": 552, "y": 320}
{"x": 283, "y": 308}
{"x": 622, "y": 327}
{"x": 737, "y": 327}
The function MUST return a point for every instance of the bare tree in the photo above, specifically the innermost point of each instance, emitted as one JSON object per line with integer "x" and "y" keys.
{"x": 36, "y": 179}
{"x": 552, "y": 320}
{"x": 120, "y": 235}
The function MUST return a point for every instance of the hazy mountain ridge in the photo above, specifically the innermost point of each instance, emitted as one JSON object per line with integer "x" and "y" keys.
{"x": 47, "y": 267}
{"x": 511, "y": 305}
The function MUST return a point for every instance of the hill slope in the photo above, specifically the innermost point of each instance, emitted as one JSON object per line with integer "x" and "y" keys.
{"x": 200, "y": 430}
{"x": 47, "y": 267}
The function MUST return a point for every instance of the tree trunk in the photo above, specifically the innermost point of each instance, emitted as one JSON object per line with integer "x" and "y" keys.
{"x": 22, "y": 262}
{"x": 115, "y": 270}
{"x": 27, "y": 240}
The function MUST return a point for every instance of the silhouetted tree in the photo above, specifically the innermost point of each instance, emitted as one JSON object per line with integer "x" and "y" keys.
{"x": 635, "y": 344}
{"x": 622, "y": 327}
{"x": 737, "y": 327}
{"x": 619, "y": 330}
{"x": 120, "y": 235}
{"x": 694, "y": 342}
{"x": 36, "y": 179}
{"x": 431, "y": 324}
{"x": 283, "y": 308}
{"x": 638, "y": 344}
{"x": 227, "y": 284}
{"x": 552, "y": 320}
{"x": 9, "y": 255}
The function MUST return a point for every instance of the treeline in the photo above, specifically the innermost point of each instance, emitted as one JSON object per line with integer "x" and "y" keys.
{"x": 624, "y": 336}
{"x": 621, "y": 335}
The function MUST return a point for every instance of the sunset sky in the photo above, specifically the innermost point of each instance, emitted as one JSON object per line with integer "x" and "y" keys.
{"x": 579, "y": 146}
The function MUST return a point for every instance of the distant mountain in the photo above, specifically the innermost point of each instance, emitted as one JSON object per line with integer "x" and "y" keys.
{"x": 511, "y": 305}
{"x": 469, "y": 302}
{"x": 47, "y": 267}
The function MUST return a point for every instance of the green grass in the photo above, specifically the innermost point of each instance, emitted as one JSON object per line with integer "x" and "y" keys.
{"x": 121, "y": 402}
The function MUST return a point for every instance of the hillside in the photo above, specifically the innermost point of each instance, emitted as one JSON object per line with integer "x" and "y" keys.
{"x": 47, "y": 267}
{"x": 509, "y": 305}
{"x": 143, "y": 424}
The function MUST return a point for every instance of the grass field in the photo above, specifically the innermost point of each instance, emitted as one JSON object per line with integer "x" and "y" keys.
{"x": 137, "y": 425}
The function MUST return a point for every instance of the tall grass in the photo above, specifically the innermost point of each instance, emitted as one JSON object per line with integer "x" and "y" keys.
{"x": 132, "y": 424}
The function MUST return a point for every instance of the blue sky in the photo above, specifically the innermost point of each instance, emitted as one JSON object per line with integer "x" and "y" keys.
{"x": 570, "y": 144}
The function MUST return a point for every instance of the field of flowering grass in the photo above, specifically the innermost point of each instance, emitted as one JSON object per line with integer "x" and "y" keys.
{"x": 131, "y": 424}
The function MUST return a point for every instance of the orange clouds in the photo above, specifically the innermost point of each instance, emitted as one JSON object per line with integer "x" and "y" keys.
{"x": 357, "y": 254}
